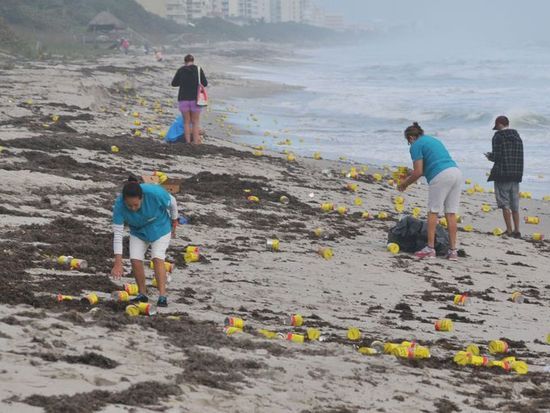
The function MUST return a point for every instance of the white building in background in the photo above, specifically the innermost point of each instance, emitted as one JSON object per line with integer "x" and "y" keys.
{"x": 335, "y": 22}
{"x": 197, "y": 9}
{"x": 176, "y": 10}
{"x": 269, "y": 11}
{"x": 287, "y": 11}
{"x": 230, "y": 8}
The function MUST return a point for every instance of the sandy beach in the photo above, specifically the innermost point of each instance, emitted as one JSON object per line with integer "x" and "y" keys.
{"x": 59, "y": 179}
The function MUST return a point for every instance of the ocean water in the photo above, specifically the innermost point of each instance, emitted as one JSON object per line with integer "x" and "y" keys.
{"x": 355, "y": 101}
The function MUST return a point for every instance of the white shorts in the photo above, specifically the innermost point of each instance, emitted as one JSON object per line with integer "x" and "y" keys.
{"x": 445, "y": 191}
{"x": 138, "y": 247}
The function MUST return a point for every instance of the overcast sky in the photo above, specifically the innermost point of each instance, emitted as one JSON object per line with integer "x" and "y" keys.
{"x": 518, "y": 20}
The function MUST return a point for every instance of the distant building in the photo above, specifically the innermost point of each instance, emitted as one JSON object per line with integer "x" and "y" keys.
{"x": 176, "y": 10}
{"x": 287, "y": 11}
{"x": 269, "y": 11}
{"x": 197, "y": 9}
{"x": 334, "y": 22}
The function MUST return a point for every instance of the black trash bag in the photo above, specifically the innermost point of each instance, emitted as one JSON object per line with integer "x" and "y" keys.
{"x": 411, "y": 235}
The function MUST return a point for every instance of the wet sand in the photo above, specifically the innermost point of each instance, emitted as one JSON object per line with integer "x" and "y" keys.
{"x": 59, "y": 180}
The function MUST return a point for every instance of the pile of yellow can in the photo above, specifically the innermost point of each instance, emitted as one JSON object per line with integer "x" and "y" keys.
{"x": 472, "y": 357}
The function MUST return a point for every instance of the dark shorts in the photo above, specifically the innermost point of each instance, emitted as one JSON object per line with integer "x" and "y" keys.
{"x": 507, "y": 195}
{"x": 189, "y": 106}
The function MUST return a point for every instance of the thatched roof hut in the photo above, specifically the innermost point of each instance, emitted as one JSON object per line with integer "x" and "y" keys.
{"x": 105, "y": 22}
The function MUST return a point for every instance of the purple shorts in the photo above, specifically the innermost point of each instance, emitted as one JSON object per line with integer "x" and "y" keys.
{"x": 189, "y": 106}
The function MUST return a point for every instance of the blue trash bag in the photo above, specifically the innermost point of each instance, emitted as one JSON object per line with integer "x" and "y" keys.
{"x": 176, "y": 131}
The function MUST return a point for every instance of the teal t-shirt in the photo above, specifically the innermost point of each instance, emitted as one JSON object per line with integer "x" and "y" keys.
{"x": 434, "y": 154}
{"x": 152, "y": 220}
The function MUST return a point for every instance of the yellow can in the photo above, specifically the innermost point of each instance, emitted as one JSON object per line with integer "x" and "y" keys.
{"x": 326, "y": 253}
{"x": 474, "y": 349}
{"x": 497, "y": 232}
{"x": 284, "y": 200}
{"x": 416, "y": 212}
{"x": 389, "y": 347}
{"x": 548, "y": 339}
{"x": 365, "y": 215}
{"x": 318, "y": 232}
{"x": 498, "y": 347}
{"x": 417, "y": 352}
{"x": 61, "y": 297}
{"x": 479, "y": 361}
{"x": 352, "y": 187}
{"x": 132, "y": 310}
{"x": 342, "y": 210}
{"x": 399, "y": 208}
{"x": 520, "y": 367}
{"x": 115, "y": 149}
{"x": 358, "y": 201}
{"x": 486, "y": 208}
{"x": 468, "y": 228}
{"x": 327, "y": 207}
{"x": 64, "y": 259}
{"x": 393, "y": 248}
{"x": 296, "y": 320}
{"x": 190, "y": 257}
{"x": 462, "y": 358}
{"x": 377, "y": 177}
{"x": 399, "y": 200}
{"x": 460, "y": 299}
{"x": 234, "y": 322}
{"x": 290, "y": 157}
{"x": 146, "y": 309}
{"x": 444, "y": 324}
{"x": 253, "y": 199}
{"x": 468, "y": 181}
{"x": 295, "y": 338}
{"x": 77, "y": 264}
{"x": 354, "y": 334}
{"x": 258, "y": 153}
{"x": 317, "y": 156}
{"x": 537, "y": 236}
{"x": 367, "y": 351}
{"x": 273, "y": 245}
{"x": 268, "y": 334}
{"x": 532, "y": 220}
{"x": 382, "y": 215}
{"x": 232, "y": 330}
{"x": 192, "y": 249}
{"x": 313, "y": 334}
{"x": 91, "y": 298}
{"x": 517, "y": 297}
{"x": 131, "y": 289}
{"x": 443, "y": 222}
{"x": 121, "y": 296}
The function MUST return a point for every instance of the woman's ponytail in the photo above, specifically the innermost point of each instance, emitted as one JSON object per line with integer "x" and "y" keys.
{"x": 414, "y": 130}
{"x": 132, "y": 188}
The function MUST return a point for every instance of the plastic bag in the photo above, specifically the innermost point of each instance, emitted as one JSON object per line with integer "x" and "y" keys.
{"x": 411, "y": 235}
{"x": 176, "y": 131}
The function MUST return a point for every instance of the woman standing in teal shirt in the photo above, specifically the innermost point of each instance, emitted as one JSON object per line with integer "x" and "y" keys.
{"x": 151, "y": 213}
{"x": 432, "y": 160}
